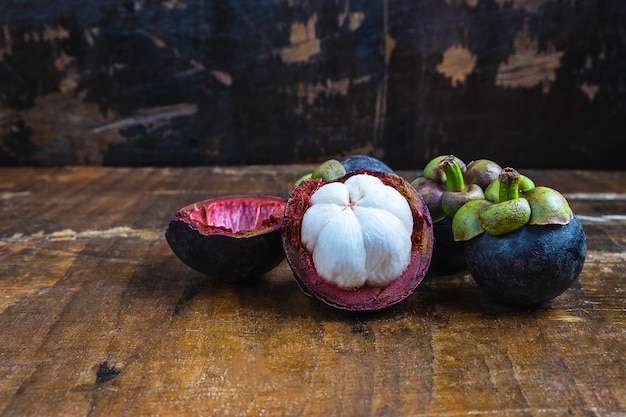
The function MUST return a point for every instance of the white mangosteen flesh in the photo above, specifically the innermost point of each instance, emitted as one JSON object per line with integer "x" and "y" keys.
{"x": 359, "y": 232}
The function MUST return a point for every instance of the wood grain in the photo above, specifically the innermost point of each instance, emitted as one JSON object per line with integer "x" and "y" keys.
{"x": 99, "y": 318}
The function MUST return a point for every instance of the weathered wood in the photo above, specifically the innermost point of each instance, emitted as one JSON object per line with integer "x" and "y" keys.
{"x": 278, "y": 81}
{"x": 99, "y": 318}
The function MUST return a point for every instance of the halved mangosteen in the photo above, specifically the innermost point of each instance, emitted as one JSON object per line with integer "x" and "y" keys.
{"x": 233, "y": 238}
{"x": 361, "y": 242}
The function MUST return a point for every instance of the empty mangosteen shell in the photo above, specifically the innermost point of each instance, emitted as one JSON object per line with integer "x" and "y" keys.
{"x": 224, "y": 253}
{"x": 366, "y": 298}
{"x": 529, "y": 266}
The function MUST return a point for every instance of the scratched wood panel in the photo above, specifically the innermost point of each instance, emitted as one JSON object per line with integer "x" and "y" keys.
{"x": 99, "y": 318}
{"x": 211, "y": 82}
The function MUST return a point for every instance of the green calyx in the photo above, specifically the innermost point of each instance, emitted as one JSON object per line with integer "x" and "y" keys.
{"x": 548, "y": 206}
{"x": 482, "y": 172}
{"x": 452, "y": 201}
{"x": 512, "y": 201}
{"x": 327, "y": 171}
{"x": 466, "y": 222}
{"x": 508, "y": 216}
{"x": 302, "y": 178}
{"x": 492, "y": 192}
{"x": 434, "y": 171}
{"x": 444, "y": 188}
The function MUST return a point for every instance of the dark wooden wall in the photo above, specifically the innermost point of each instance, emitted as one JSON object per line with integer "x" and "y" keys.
{"x": 530, "y": 83}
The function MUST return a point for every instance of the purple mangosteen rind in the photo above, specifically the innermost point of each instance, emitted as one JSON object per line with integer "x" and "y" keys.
{"x": 312, "y": 283}
{"x": 530, "y": 265}
{"x": 232, "y": 238}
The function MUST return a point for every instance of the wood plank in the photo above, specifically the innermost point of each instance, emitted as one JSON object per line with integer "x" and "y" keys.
{"x": 87, "y": 277}
{"x": 240, "y": 82}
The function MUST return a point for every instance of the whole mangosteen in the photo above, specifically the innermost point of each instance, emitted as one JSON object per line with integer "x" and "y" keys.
{"x": 233, "y": 238}
{"x": 525, "y": 248}
{"x": 360, "y": 242}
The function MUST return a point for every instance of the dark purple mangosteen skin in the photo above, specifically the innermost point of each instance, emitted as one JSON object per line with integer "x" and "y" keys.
{"x": 448, "y": 254}
{"x": 232, "y": 258}
{"x": 529, "y": 266}
{"x": 355, "y": 162}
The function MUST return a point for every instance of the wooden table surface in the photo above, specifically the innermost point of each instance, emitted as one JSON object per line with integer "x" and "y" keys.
{"x": 99, "y": 318}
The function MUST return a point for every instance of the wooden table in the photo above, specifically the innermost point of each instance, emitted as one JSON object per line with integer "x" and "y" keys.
{"x": 99, "y": 318}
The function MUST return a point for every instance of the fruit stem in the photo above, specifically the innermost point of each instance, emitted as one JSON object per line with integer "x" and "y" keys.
{"x": 509, "y": 184}
{"x": 454, "y": 175}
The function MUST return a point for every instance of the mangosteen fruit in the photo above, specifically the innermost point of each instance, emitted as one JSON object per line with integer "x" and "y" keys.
{"x": 525, "y": 249}
{"x": 444, "y": 189}
{"x": 354, "y": 162}
{"x": 361, "y": 242}
{"x": 232, "y": 238}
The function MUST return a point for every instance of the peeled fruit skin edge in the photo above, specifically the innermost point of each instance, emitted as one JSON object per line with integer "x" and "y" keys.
{"x": 366, "y": 298}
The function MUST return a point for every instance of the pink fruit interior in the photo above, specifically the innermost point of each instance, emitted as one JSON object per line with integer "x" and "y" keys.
{"x": 234, "y": 214}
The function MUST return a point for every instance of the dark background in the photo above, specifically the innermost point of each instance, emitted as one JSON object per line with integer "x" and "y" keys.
{"x": 529, "y": 83}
